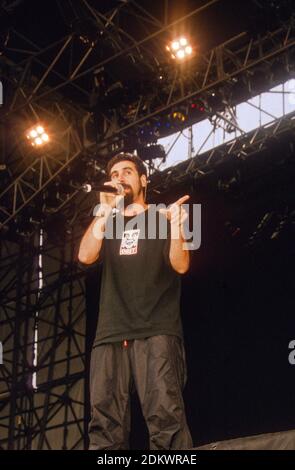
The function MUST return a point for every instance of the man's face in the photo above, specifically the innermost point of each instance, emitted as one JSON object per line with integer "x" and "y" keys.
{"x": 125, "y": 173}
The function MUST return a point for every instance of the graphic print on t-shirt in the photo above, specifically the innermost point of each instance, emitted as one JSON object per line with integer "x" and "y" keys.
{"x": 129, "y": 242}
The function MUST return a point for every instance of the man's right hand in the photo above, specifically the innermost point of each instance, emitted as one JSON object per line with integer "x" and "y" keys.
{"x": 110, "y": 199}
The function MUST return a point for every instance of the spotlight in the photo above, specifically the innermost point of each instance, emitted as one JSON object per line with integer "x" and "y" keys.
{"x": 183, "y": 41}
{"x": 37, "y": 136}
{"x": 175, "y": 45}
{"x": 198, "y": 106}
{"x": 180, "y": 54}
{"x": 149, "y": 132}
{"x": 179, "y": 116}
{"x": 45, "y": 137}
{"x": 180, "y": 49}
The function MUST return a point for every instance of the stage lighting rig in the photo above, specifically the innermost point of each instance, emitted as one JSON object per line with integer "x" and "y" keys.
{"x": 179, "y": 116}
{"x": 149, "y": 133}
{"x": 180, "y": 49}
{"x": 37, "y": 136}
{"x": 151, "y": 152}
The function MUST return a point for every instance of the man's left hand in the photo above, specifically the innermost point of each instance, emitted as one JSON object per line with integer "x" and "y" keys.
{"x": 176, "y": 213}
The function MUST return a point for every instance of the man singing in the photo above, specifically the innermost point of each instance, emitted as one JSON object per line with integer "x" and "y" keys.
{"x": 139, "y": 339}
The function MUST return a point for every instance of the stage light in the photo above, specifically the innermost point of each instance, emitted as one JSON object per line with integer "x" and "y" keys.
{"x": 178, "y": 116}
{"x": 45, "y": 137}
{"x": 180, "y": 54}
{"x": 180, "y": 49}
{"x": 151, "y": 152}
{"x": 37, "y": 136}
{"x": 175, "y": 45}
{"x": 148, "y": 132}
{"x": 197, "y": 106}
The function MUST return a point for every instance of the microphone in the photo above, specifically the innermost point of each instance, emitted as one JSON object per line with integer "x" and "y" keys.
{"x": 103, "y": 188}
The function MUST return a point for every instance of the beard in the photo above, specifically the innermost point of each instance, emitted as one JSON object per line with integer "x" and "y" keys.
{"x": 127, "y": 199}
{"x": 130, "y": 196}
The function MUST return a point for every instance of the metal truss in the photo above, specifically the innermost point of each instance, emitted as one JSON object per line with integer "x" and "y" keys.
{"x": 223, "y": 63}
{"x": 123, "y": 44}
{"x": 218, "y": 69}
{"x": 227, "y": 120}
{"x": 41, "y": 169}
{"x": 220, "y": 65}
{"x": 51, "y": 416}
{"x": 191, "y": 170}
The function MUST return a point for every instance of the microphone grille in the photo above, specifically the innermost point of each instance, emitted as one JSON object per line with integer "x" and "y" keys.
{"x": 120, "y": 189}
{"x": 87, "y": 188}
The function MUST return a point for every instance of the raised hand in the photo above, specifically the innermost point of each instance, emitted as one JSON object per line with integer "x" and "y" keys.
{"x": 176, "y": 214}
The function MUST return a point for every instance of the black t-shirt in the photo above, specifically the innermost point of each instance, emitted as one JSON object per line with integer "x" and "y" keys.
{"x": 140, "y": 291}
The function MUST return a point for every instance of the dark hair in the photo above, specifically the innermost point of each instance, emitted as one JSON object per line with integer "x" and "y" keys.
{"x": 120, "y": 157}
